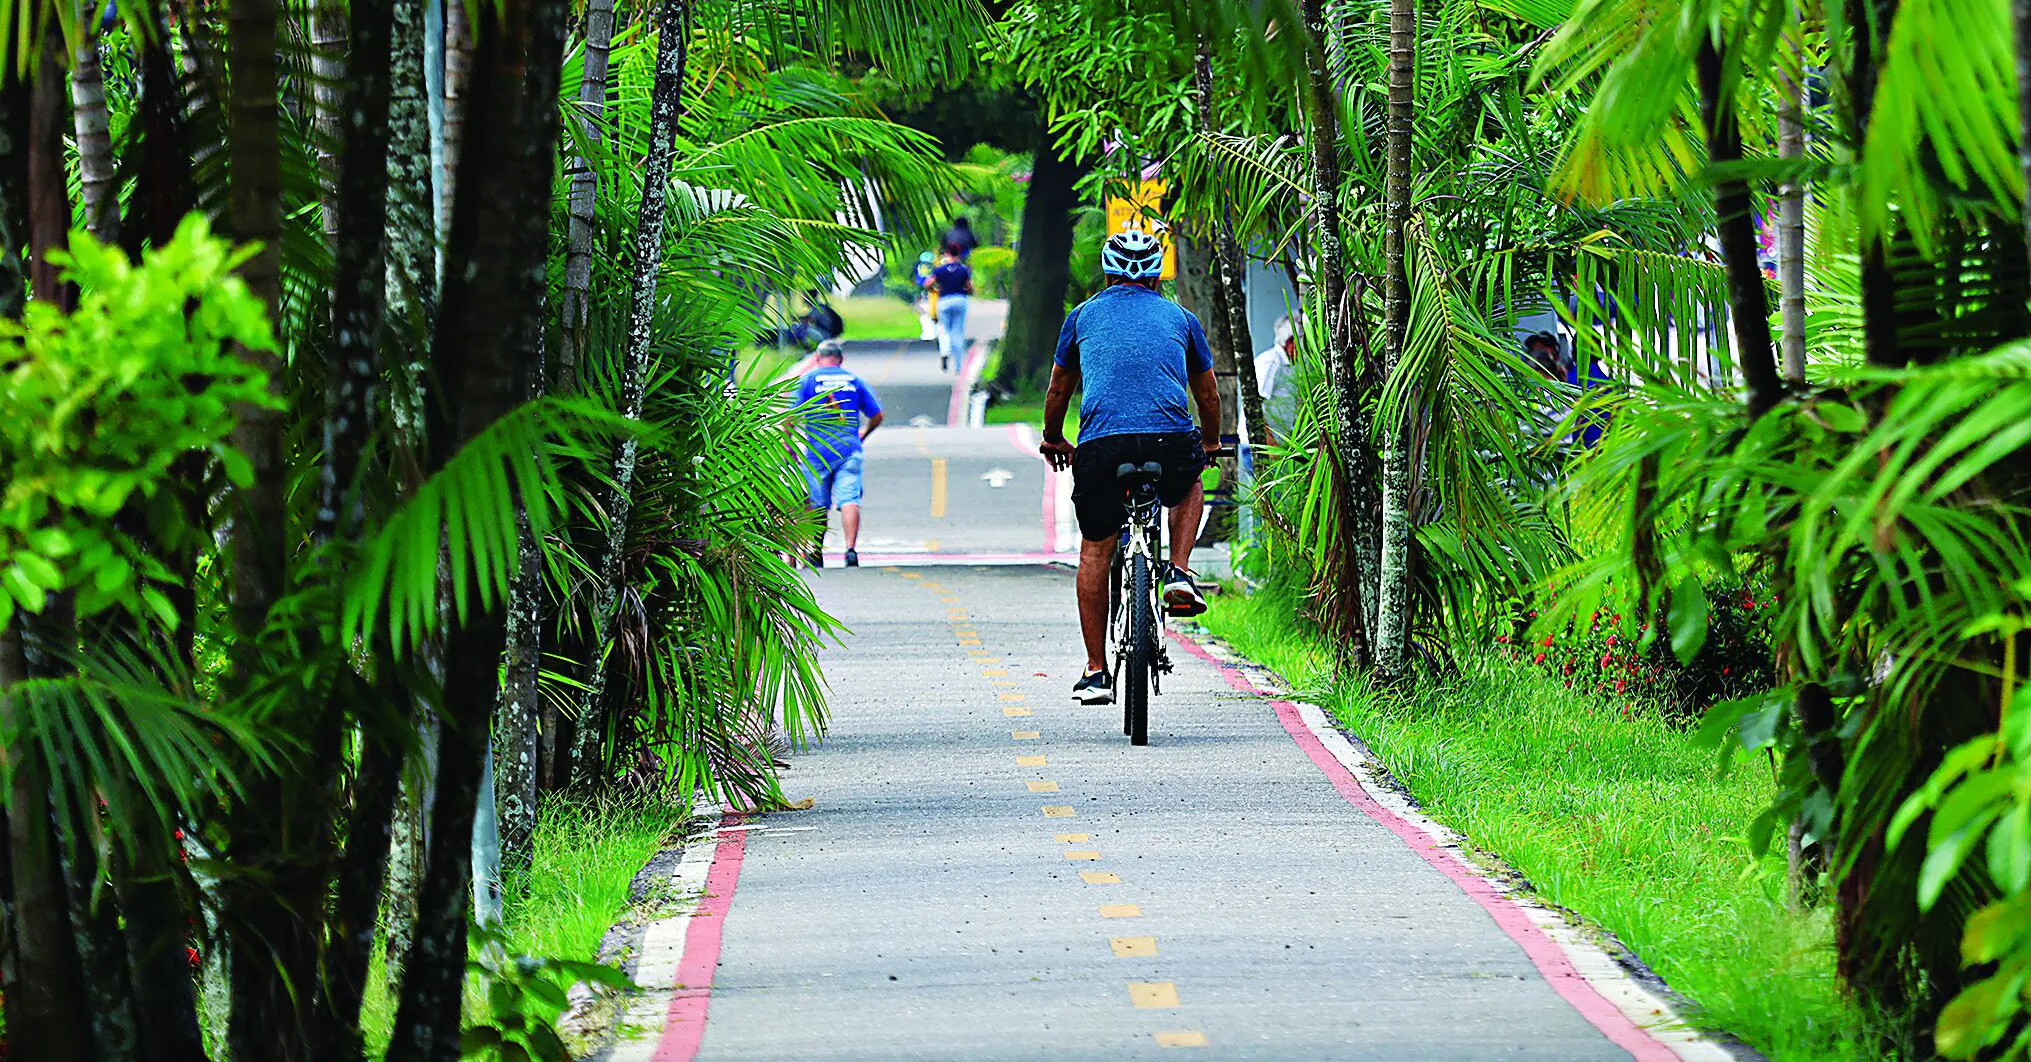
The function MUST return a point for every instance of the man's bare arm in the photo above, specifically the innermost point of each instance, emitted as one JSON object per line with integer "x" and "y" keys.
{"x": 1058, "y": 400}
{"x": 873, "y": 422}
{"x": 1206, "y": 395}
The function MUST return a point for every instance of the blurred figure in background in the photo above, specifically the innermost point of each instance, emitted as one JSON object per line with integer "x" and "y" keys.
{"x": 952, "y": 283}
{"x": 1276, "y": 380}
{"x": 959, "y": 239}
{"x": 926, "y": 302}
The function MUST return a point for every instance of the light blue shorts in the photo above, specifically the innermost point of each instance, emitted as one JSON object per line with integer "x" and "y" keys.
{"x": 834, "y": 487}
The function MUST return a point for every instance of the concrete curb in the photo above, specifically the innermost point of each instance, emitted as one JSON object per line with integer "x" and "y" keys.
{"x": 1636, "y": 994}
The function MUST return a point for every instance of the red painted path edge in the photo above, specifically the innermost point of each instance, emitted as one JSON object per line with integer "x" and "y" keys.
{"x": 1544, "y": 953}
{"x": 684, "y": 1022}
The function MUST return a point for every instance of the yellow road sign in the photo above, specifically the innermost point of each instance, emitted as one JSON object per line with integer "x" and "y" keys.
{"x": 1142, "y": 209}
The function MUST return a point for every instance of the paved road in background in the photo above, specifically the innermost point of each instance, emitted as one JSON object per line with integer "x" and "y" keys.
{"x": 991, "y": 872}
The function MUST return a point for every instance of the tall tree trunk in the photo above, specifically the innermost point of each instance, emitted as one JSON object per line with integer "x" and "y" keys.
{"x": 352, "y": 376}
{"x": 46, "y": 1011}
{"x": 1322, "y": 118}
{"x": 673, "y": 32}
{"x": 521, "y": 700}
{"x": 1791, "y": 134}
{"x": 1392, "y": 633}
{"x": 1042, "y": 269}
{"x": 1870, "y": 21}
{"x": 411, "y": 297}
{"x": 98, "y": 176}
{"x": 49, "y": 201}
{"x": 1748, "y": 299}
{"x": 156, "y": 930}
{"x": 584, "y": 201}
{"x": 327, "y": 34}
{"x": 489, "y": 327}
{"x": 1229, "y": 267}
{"x": 273, "y": 951}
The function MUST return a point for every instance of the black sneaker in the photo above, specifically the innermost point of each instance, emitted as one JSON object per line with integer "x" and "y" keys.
{"x": 852, "y": 559}
{"x": 1093, "y": 688}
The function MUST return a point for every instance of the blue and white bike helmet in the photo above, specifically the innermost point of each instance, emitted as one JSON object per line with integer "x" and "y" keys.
{"x": 1133, "y": 255}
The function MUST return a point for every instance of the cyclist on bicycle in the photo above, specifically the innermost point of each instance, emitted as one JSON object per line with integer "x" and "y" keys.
{"x": 1138, "y": 355}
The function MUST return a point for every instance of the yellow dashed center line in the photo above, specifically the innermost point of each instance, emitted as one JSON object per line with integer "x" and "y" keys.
{"x": 1015, "y": 711}
{"x": 937, "y": 488}
{"x": 1190, "y": 1038}
{"x": 992, "y": 672}
{"x": 1073, "y": 838}
{"x": 1057, "y": 811}
{"x": 1100, "y": 877}
{"x": 1133, "y": 947}
{"x": 1081, "y": 853}
{"x": 1029, "y": 761}
{"x": 1025, "y": 735}
{"x": 1149, "y": 994}
{"x": 1011, "y": 696}
{"x": 1120, "y": 910}
{"x": 1042, "y": 787}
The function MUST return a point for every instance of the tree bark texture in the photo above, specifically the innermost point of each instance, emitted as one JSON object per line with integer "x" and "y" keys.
{"x": 1392, "y": 608}
{"x": 521, "y": 703}
{"x": 1871, "y": 20}
{"x": 1351, "y": 450}
{"x": 162, "y": 189}
{"x": 328, "y": 60}
{"x": 673, "y": 33}
{"x": 156, "y": 930}
{"x": 98, "y": 176}
{"x": 458, "y": 58}
{"x": 489, "y": 327}
{"x": 1748, "y": 299}
{"x": 273, "y": 951}
{"x": 49, "y": 201}
{"x": 583, "y": 203}
{"x": 411, "y": 298}
{"x": 15, "y": 95}
{"x": 1043, "y": 269}
{"x": 46, "y": 1011}
{"x": 361, "y": 874}
{"x": 1791, "y": 134}
{"x": 1230, "y": 269}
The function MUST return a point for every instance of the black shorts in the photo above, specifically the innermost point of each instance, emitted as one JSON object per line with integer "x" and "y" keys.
{"x": 1097, "y": 494}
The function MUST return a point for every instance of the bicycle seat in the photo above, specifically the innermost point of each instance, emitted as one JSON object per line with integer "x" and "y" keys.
{"x": 1147, "y": 472}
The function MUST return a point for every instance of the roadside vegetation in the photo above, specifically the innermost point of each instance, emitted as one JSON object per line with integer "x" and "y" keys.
{"x": 1610, "y": 807}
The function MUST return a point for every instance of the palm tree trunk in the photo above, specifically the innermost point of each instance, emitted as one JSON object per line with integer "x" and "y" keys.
{"x": 46, "y": 1009}
{"x": 412, "y": 240}
{"x": 673, "y": 31}
{"x": 488, "y": 329}
{"x": 156, "y": 930}
{"x": 1392, "y": 634}
{"x": 360, "y": 220}
{"x": 98, "y": 177}
{"x": 1791, "y": 134}
{"x": 1748, "y": 299}
{"x": 1322, "y": 119}
{"x": 272, "y": 948}
{"x": 521, "y": 700}
{"x": 49, "y": 201}
{"x": 1229, "y": 268}
{"x": 1042, "y": 269}
{"x": 327, "y": 35}
{"x": 584, "y": 199}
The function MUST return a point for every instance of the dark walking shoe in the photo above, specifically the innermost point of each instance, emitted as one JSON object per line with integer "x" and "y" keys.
{"x": 1093, "y": 688}
{"x": 852, "y": 559}
{"x": 817, "y": 558}
{"x": 1181, "y": 595}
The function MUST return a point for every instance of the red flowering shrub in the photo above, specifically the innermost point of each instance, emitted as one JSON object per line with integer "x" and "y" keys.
{"x": 1615, "y": 658}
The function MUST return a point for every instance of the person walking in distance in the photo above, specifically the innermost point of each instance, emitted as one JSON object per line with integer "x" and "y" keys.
{"x": 959, "y": 239}
{"x": 1138, "y": 357}
{"x": 953, "y": 281}
{"x": 833, "y": 402}
{"x": 1276, "y": 380}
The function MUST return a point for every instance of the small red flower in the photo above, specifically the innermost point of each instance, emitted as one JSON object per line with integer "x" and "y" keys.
{"x": 191, "y": 954}
{"x": 1547, "y": 641}
{"x": 1607, "y": 659}
{"x": 1621, "y": 684}
{"x": 1539, "y": 660}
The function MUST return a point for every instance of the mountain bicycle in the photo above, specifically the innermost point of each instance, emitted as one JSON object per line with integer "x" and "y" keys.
{"x": 1135, "y": 598}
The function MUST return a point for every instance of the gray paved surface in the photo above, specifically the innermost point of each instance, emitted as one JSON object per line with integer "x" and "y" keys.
{"x": 933, "y": 913}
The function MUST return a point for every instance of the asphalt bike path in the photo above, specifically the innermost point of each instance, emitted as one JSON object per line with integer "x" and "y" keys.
{"x": 991, "y": 872}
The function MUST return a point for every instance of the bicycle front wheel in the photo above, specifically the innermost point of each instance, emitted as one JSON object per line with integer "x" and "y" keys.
{"x": 1135, "y": 679}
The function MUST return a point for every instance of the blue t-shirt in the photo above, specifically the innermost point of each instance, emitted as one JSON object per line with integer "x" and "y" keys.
{"x": 833, "y": 419}
{"x": 951, "y": 278}
{"x": 1136, "y": 353}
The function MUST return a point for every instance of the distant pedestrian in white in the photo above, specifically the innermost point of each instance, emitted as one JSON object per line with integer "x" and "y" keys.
{"x": 1276, "y": 380}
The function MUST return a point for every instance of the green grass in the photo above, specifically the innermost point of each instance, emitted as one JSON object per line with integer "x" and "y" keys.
{"x": 577, "y": 888}
{"x": 878, "y": 317}
{"x": 1618, "y": 818}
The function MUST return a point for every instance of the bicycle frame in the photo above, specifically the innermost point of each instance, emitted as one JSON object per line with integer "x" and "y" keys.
{"x": 1139, "y": 541}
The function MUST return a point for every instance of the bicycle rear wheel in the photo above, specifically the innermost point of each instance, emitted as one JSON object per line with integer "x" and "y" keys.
{"x": 1135, "y": 679}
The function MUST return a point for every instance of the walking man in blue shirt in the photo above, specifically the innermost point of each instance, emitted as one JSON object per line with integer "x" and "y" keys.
{"x": 1138, "y": 355}
{"x": 834, "y": 401}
